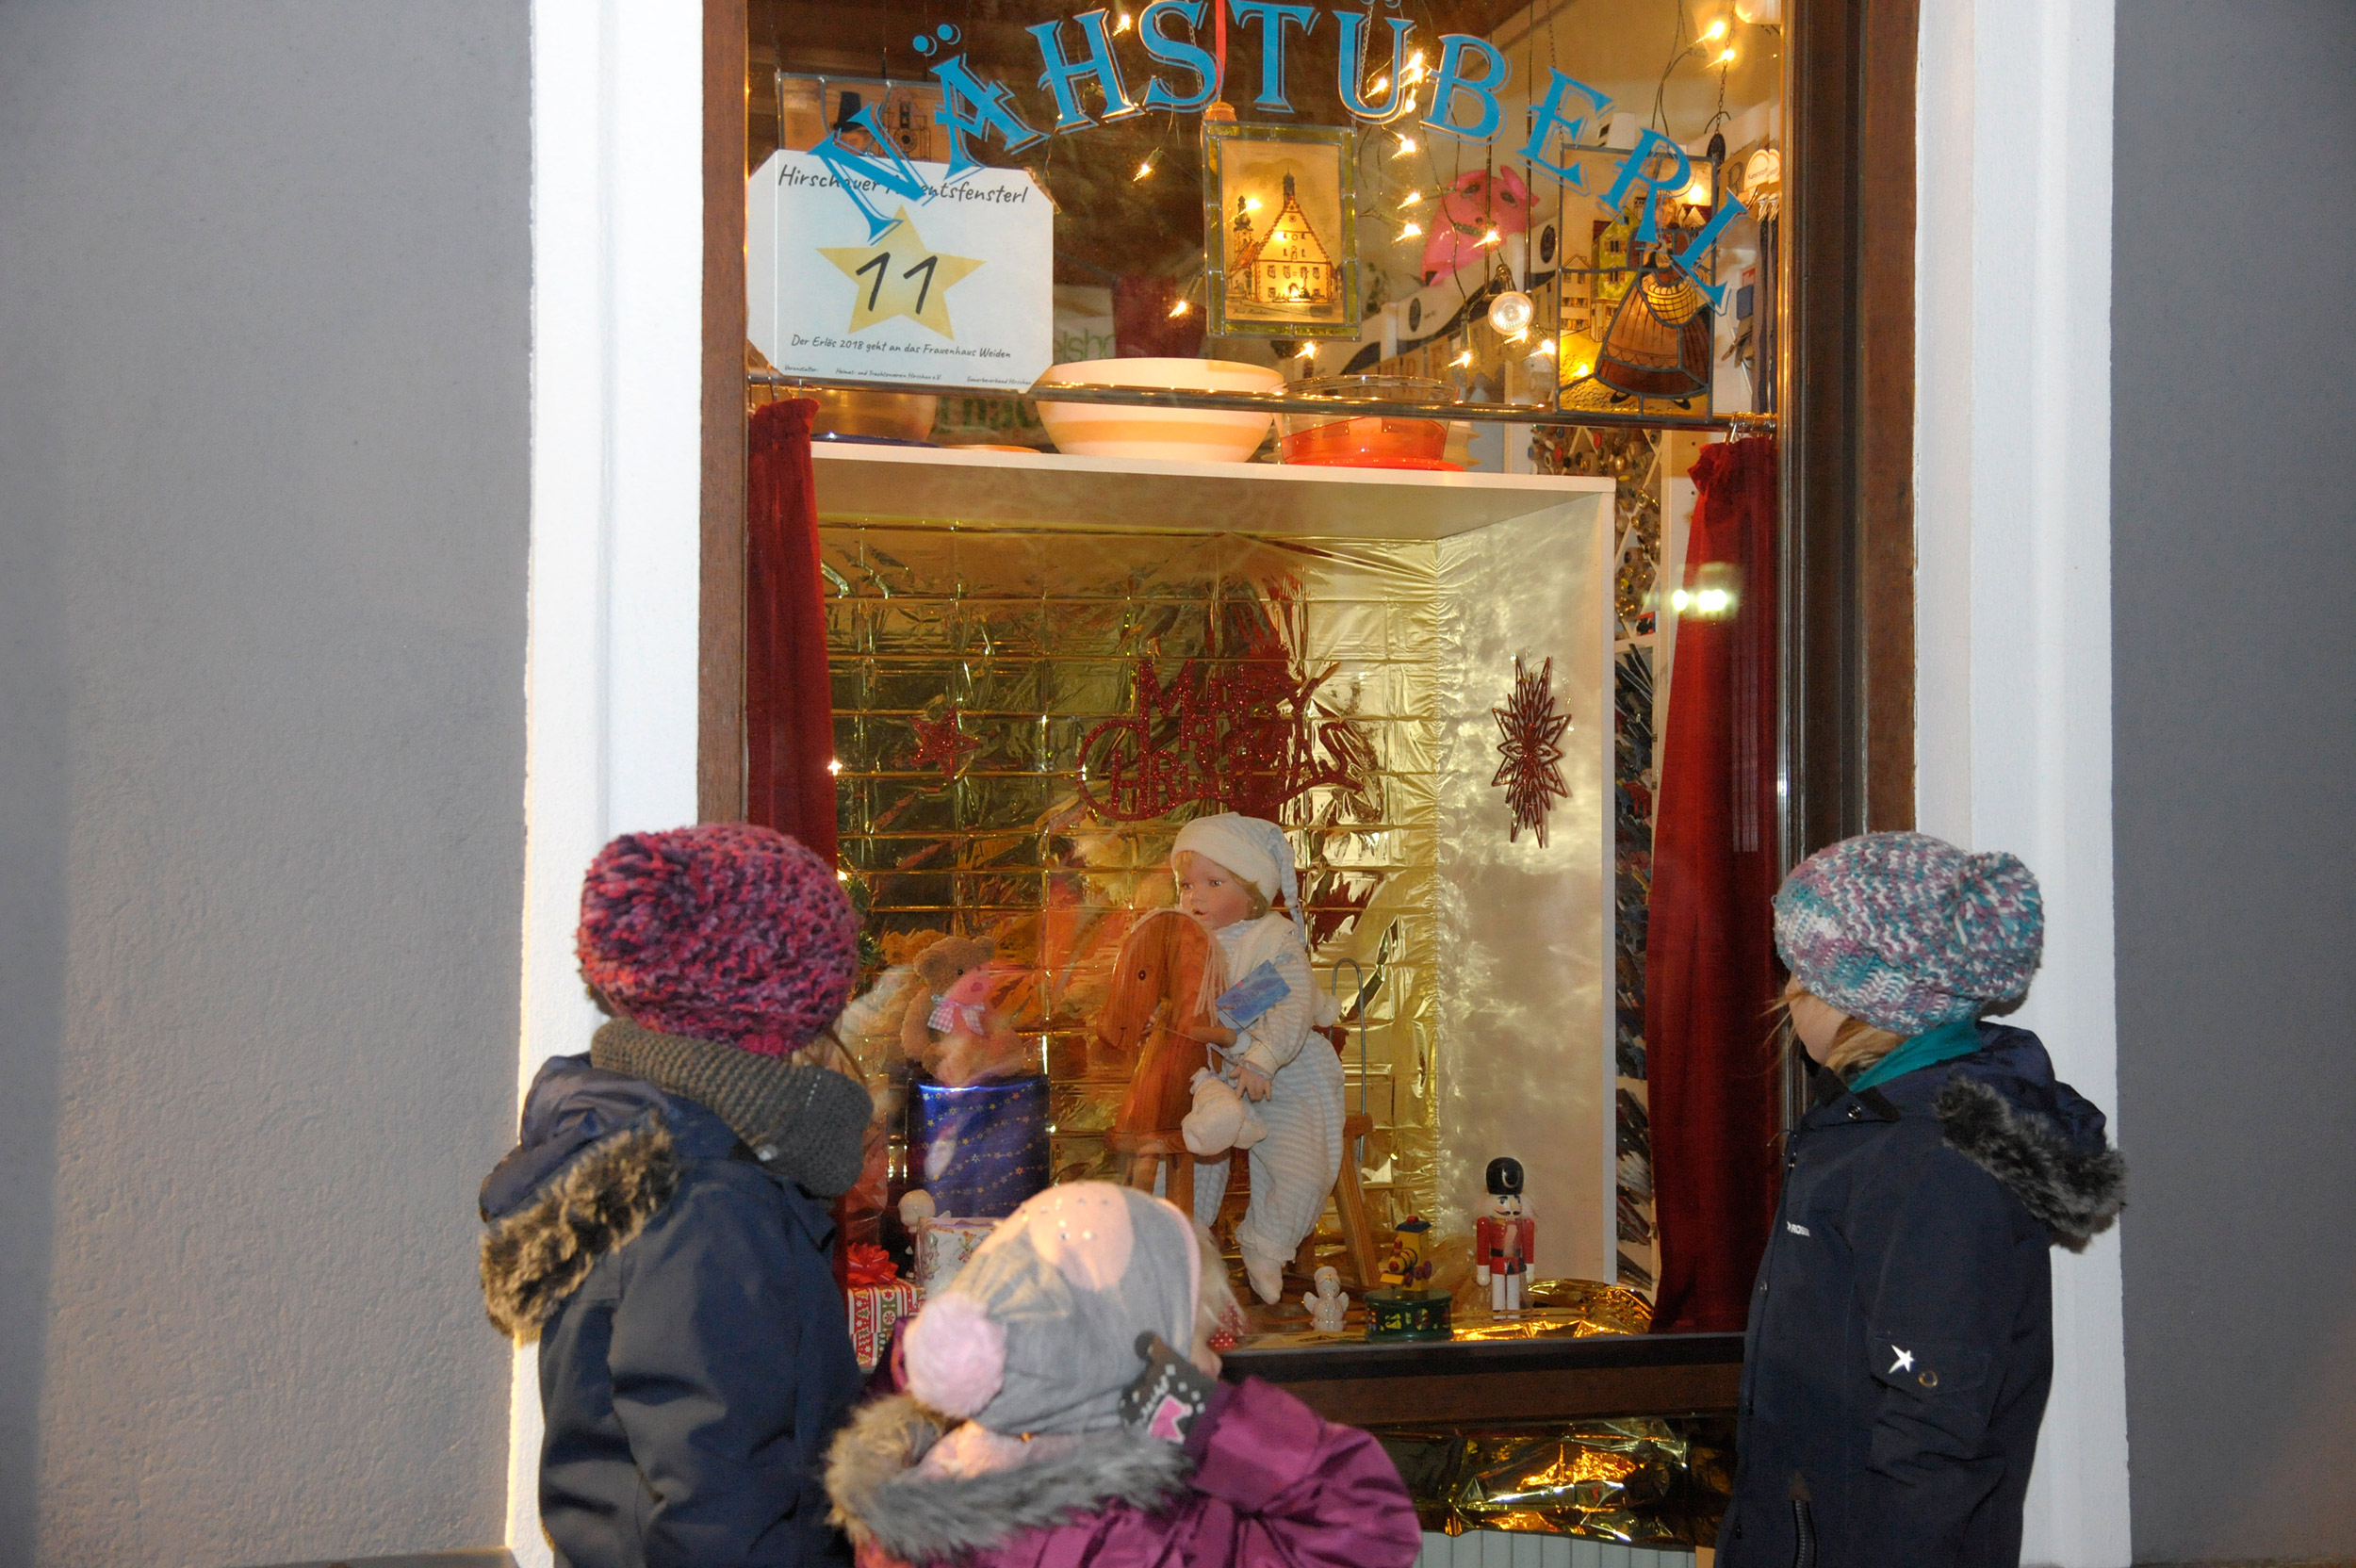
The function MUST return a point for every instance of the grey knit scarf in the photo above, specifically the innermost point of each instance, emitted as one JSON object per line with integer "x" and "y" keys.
{"x": 808, "y": 1123}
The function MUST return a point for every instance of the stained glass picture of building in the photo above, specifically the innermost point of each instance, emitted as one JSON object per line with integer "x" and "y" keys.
{"x": 1279, "y": 226}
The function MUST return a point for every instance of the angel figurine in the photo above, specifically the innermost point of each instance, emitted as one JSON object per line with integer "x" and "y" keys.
{"x": 1326, "y": 1304}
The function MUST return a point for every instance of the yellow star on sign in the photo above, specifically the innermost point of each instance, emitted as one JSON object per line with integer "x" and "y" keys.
{"x": 900, "y": 275}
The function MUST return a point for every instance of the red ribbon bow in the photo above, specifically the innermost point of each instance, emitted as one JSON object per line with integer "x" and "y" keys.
{"x": 872, "y": 1266}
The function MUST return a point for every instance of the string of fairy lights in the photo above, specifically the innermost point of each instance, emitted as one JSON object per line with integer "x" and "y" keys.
{"x": 1513, "y": 314}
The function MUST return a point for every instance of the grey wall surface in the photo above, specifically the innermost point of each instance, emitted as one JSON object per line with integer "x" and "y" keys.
{"x": 2234, "y": 591}
{"x": 264, "y": 280}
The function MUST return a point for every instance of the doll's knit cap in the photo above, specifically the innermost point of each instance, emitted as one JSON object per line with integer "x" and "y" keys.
{"x": 1037, "y": 1333}
{"x": 1254, "y": 849}
{"x": 723, "y": 932}
{"x": 1908, "y": 931}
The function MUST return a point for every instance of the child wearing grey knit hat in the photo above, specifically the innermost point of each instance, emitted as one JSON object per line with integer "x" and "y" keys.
{"x": 1063, "y": 1404}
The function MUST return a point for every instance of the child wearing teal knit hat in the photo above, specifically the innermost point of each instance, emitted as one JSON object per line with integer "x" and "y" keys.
{"x": 1900, "y": 1338}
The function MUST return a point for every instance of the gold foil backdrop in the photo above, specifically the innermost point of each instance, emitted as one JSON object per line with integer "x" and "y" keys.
{"x": 970, "y": 666}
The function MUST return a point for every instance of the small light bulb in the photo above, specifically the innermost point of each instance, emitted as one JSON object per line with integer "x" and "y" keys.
{"x": 1462, "y": 359}
{"x": 1143, "y": 170}
{"x": 1414, "y": 61}
{"x": 1308, "y": 351}
{"x": 1381, "y": 85}
{"x": 1492, "y": 237}
{"x": 1252, "y": 204}
{"x": 1546, "y": 346}
{"x": 1178, "y": 309}
{"x": 1411, "y": 230}
{"x": 1678, "y": 600}
{"x": 1122, "y": 24}
{"x": 1715, "y": 31}
{"x": 1511, "y": 314}
{"x": 1406, "y": 145}
{"x": 1583, "y": 369}
{"x": 834, "y": 765}
{"x": 841, "y": 876}
{"x": 1727, "y": 58}
{"x": 1411, "y": 198}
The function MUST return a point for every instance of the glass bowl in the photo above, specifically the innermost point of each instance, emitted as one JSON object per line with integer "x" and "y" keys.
{"x": 1346, "y": 440}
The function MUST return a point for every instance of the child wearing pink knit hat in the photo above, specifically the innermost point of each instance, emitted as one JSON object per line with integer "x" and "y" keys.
{"x": 663, "y": 1226}
{"x": 1063, "y": 1406}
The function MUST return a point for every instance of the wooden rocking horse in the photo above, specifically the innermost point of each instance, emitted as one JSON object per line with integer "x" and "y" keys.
{"x": 1164, "y": 986}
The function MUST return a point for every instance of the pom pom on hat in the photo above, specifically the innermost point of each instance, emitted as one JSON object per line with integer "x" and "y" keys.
{"x": 956, "y": 1355}
{"x": 723, "y": 932}
{"x": 1908, "y": 931}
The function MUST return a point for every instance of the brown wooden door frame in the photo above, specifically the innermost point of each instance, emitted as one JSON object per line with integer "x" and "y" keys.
{"x": 1848, "y": 400}
{"x": 720, "y": 642}
{"x": 1848, "y": 394}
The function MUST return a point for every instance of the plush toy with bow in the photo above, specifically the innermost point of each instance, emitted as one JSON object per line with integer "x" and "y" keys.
{"x": 950, "y": 1028}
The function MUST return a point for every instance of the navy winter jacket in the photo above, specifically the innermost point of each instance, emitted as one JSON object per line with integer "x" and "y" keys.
{"x": 1901, "y": 1334}
{"x": 693, "y": 1357}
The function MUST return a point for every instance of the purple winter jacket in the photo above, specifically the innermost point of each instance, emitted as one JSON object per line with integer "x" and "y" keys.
{"x": 1262, "y": 1481}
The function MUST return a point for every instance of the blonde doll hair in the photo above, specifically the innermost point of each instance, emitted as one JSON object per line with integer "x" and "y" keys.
{"x": 1183, "y": 861}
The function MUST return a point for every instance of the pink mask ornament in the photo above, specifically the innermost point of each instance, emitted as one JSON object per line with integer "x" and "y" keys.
{"x": 1477, "y": 202}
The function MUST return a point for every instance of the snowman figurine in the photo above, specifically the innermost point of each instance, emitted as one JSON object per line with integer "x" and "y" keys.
{"x": 1328, "y": 1303}
{"x": 1504, "y": 1237}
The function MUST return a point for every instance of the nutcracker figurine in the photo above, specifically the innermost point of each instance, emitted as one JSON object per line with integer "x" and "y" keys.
{"x": 1504, "y": 1238}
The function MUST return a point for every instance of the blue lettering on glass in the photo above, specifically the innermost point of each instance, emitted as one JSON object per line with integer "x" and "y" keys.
{"x": 1550, "y": 118}
{"x": 1184, "y": 55}
{"x": 1689, "y": 260}
{"x": 977, "y": 108}
{"x": 1648, "y": 232}
{"x": 1062, "y": 76}
{"x": 1273, "y": 16}
{"x": 856, "y": 171}
{"x": 1353, "y": 65}
{"x": 1453, "y": 84}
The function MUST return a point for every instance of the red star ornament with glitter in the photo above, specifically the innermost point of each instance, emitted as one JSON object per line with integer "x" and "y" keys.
{"x": 1529, "y": 751}
{"x": 940, "y": 740}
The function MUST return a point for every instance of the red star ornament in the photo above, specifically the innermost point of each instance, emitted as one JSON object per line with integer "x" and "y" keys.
{"x": 940, "y": 740}
{"x": 1529, "y": 751}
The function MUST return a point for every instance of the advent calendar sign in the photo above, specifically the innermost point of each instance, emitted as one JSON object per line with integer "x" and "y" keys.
{"x": 908, "y": 279}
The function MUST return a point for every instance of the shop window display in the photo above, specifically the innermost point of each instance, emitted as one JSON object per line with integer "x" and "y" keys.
{"x": 1028, "y": 705}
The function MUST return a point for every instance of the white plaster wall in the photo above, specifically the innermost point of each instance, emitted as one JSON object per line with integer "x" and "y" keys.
{"x": 616, "y": 335}
{"x": 2013, "y": 596}
{"x": 264, "y": 294}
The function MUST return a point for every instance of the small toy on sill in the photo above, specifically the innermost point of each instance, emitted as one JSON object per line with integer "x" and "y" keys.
{"x": 1406, "y": 1308}
{"x": 1328, "y": 1304}
{"x": 1403, "y": 1267}
{"x": 1504, "y": 1238}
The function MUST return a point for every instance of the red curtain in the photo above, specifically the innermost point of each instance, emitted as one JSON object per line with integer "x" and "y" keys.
{"x": 789, "y": 703}
{"x": 1710, "y": 965}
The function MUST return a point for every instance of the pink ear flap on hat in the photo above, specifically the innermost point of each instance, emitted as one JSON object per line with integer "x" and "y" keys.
{"x": 956, "y": 1355}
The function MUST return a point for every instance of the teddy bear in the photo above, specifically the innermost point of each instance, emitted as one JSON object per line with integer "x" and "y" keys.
{"x": 950, "y": 1027}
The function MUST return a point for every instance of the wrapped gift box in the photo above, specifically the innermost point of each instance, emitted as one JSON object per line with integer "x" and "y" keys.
{"x": 873, "y": 1311}
{"x": 979, "y": 1149}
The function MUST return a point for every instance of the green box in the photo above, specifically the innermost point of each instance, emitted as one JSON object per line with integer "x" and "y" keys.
{"x": 1407, "y": 1314}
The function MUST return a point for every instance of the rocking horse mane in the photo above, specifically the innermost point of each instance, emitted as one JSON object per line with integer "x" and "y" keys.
{"x": 1162, "y": 947}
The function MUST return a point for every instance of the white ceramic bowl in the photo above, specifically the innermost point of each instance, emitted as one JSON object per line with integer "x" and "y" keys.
{"x": 1186, "y": 434}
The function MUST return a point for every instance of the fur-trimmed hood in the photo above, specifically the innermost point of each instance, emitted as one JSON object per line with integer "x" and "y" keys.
{"x": 2003, "y": 1109}
{"x": 878, "y": 1495}
{"x": 600, "y": 1154}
